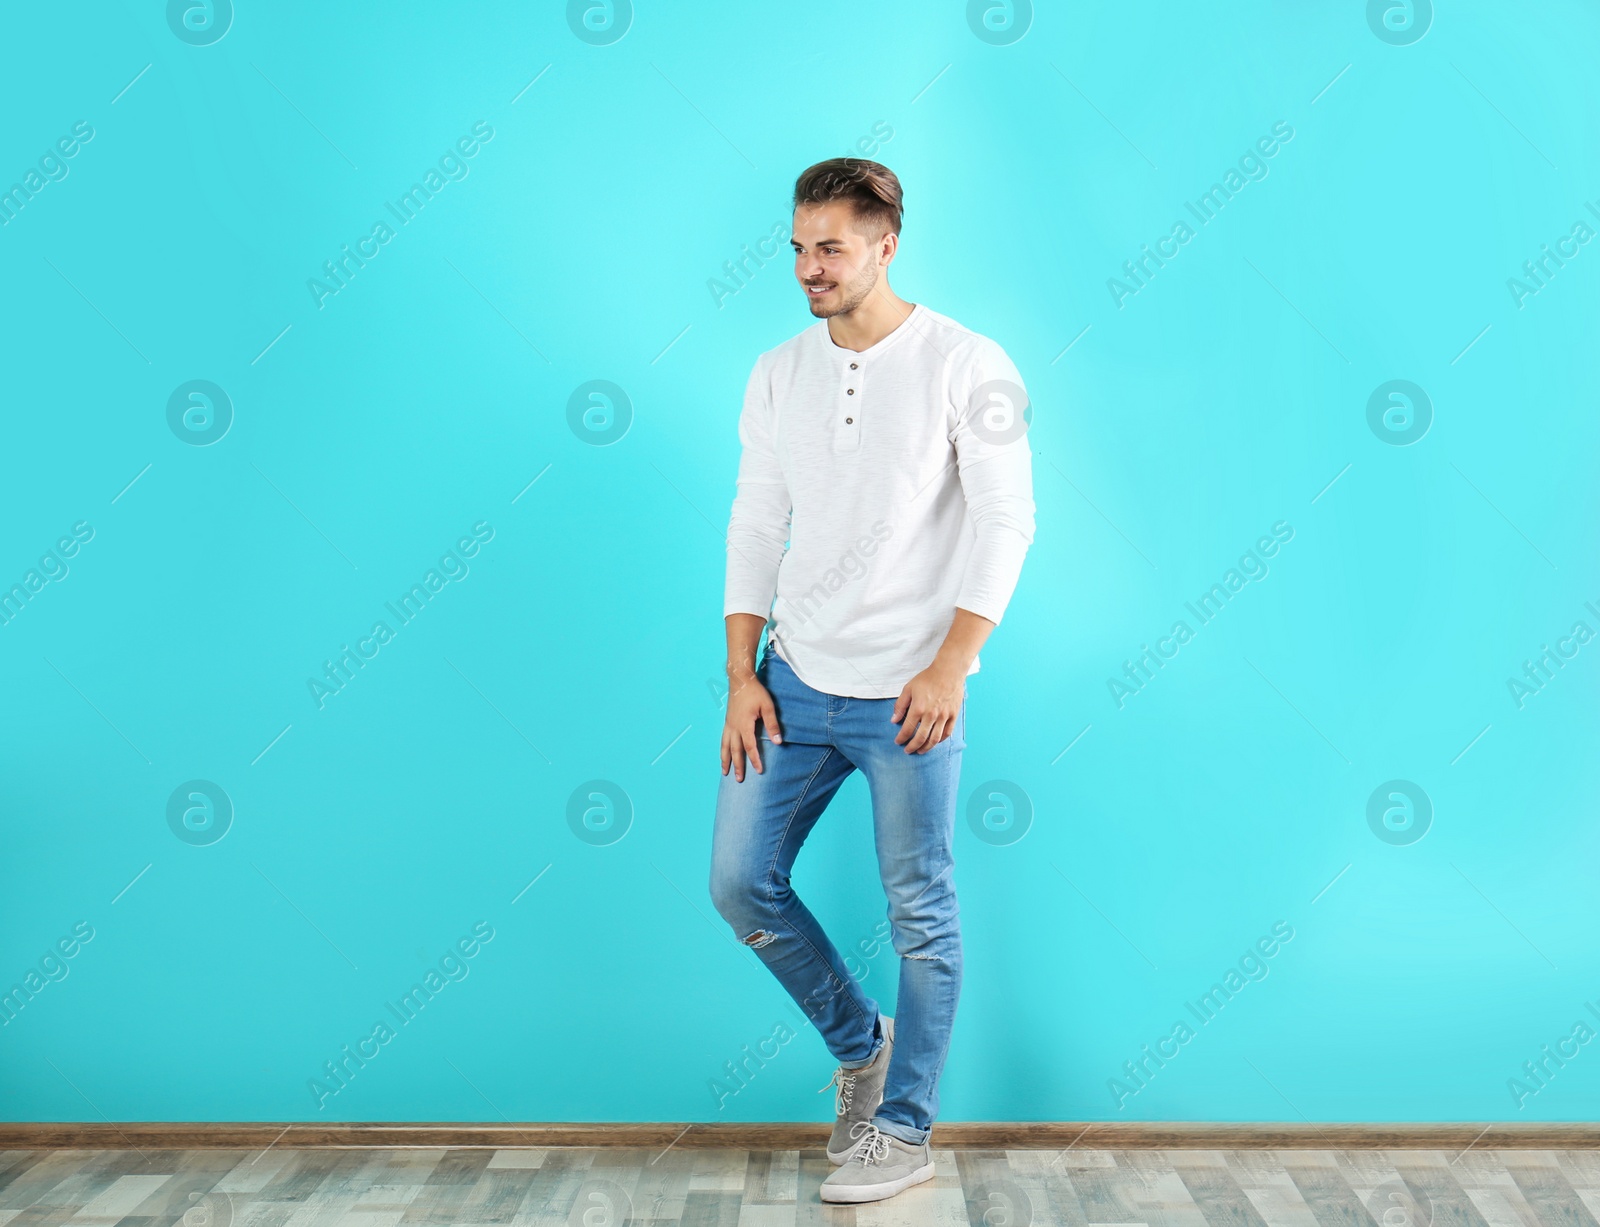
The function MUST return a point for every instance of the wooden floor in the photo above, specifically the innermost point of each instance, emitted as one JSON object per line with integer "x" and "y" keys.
{"x": 616, "y": 1187}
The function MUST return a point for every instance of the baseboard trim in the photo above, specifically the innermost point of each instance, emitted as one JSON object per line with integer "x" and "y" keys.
{"x": 973, "y": 1135}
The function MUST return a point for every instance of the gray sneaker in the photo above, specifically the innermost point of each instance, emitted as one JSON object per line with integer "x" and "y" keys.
{"x": 860, "y": 1092}
{"x": 880, "y": 1166}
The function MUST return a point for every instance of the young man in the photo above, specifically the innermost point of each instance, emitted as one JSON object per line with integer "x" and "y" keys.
{"x": 883, "y": 510}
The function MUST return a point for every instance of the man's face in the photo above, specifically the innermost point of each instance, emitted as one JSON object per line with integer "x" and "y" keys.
{"x": 836, "y": 267}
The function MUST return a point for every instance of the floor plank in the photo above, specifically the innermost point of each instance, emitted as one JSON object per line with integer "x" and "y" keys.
{"x": 702, "y": 1187}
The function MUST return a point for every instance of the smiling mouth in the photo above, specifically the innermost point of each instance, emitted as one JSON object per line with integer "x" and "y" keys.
{"x": 816, "y": 291}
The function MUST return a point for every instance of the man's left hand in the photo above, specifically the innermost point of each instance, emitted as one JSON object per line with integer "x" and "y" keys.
{"x": 929, "y": 705}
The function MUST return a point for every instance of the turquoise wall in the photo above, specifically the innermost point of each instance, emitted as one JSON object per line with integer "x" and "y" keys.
{"x": 1362, "y": 785}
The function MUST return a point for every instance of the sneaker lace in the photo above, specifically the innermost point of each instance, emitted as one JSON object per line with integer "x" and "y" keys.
{"x": 846, "y": 1082}
{"x": 873, "y": 1146}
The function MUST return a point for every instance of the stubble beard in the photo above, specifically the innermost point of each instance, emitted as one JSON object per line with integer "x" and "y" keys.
{"x": 852, "y": 295}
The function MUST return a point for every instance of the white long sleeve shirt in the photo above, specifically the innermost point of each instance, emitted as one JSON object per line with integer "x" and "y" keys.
{"x": 878, "y": 491}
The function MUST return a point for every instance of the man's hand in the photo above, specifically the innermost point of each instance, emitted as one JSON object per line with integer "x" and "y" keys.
{"x": 748, "y": 700}
{"x": 929, "y": 705}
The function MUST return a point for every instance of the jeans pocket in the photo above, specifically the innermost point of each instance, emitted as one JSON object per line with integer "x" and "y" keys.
{"x": 958, "y": 731}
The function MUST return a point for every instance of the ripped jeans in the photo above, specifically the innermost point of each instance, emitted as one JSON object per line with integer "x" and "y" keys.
{"x": 761, "y": 823}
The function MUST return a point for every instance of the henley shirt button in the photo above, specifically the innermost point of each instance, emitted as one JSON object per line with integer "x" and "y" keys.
{"x": 848, "y": 421}
{"x": 852, "y": 366}
{"x": 850, "y": 391}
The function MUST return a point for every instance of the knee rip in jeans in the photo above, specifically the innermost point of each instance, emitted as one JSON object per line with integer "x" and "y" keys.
{"x": 758, "y": 939}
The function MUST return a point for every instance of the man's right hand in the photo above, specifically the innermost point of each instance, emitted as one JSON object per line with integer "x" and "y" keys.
{"x": 748, "y": 701}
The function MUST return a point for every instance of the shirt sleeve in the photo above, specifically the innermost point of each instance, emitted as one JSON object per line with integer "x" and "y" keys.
{"x": 995, "y": 463}
{"x": 758, "y": 528}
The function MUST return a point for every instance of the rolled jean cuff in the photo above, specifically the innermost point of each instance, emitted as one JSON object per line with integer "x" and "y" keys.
{"x": 912, "y": 1137}
{"x": 863, "y": 1064}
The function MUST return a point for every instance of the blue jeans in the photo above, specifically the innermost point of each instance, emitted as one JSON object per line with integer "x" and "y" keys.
{"x": 763, "y": 820}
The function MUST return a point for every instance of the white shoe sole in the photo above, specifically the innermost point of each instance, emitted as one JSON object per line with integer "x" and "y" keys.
{"x": 876, "y": 1192}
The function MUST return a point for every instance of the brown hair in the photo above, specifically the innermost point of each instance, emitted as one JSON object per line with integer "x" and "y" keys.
{"x": 871, "y": 188}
